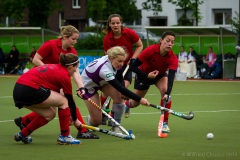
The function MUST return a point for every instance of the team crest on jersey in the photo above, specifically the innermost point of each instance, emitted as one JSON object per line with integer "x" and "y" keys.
{"x": 109, "y": 75}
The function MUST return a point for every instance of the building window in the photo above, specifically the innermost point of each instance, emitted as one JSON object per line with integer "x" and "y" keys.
{"x": 61, "y": 19}
{"x": 222, "y": 17}
{"x": 76, "y": 4}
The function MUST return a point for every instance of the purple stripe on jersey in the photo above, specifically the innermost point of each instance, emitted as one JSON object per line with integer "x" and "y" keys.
{"x": 95, "y": 75}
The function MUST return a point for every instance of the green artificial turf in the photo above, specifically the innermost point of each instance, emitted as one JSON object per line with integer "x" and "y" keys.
{"x": 215, "y": 104}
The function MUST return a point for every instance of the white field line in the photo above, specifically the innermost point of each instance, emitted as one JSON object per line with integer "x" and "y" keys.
{"x": 185, "y": 94}
{"x": 150, "y": 113}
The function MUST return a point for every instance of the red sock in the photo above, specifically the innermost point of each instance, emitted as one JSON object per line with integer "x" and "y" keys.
{"x": 36, "y": 123}
{"x": 80, "y": 118}
{"x": 64, "y": 118}
{"x": 28, "y": 118}
{"x": 127, "y": 103}
{"x": 102, "y": 100}
{"x": 166, "y": 114}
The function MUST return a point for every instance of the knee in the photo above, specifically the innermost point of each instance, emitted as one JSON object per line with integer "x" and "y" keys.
{"x": 51, "y": 115}
{"x": 95, "y": 122}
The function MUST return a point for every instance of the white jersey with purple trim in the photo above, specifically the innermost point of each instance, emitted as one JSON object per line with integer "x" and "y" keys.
{"x": 98, "y": 72}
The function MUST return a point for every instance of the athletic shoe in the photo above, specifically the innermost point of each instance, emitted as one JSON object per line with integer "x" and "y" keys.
{"x": 18, "y": 122}
{"x": 104, "y": 120}
{"x": 126, "y": 112}
{"x": 116, "y": 129}
{"x": 86, "y": 135}
{"x": 109, "y": 123}
{"x": 67, "y": 140}
{"x": 165, "y": 128}
{"x": 18, "y": 137}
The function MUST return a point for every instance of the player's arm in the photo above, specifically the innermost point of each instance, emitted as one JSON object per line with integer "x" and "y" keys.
{"x": 37, "y": 60}
{"x": 171, "y": 76}
{"x": 138, "y": 50}
{"x": 134, "y": 67}
{"x": 77, "y": 78}
{"x": 118, "y": 86}
{"x": 72, "y": 106}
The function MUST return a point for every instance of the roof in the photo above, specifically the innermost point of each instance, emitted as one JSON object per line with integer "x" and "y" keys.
{"x": 25, "y": 31}
{"x": 193, "y": 30}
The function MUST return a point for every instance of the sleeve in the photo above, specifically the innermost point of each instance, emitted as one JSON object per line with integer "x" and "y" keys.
{"x": 134, "y": 67}
{"x": 72, "y": 106}
{"x": 106, "y": 43}
{"x": 115, "y": 83}
{"x": 119, "y": 77}
{"x": 134, "y": 36}
{"x": 45, "y": 50}
{"x": 171, "y": 76}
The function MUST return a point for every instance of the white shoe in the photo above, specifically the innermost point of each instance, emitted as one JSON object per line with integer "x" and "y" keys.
{"x": 67, "y": 140}
{"x": 165, "y": 128}
{"x": 116, "y": 129}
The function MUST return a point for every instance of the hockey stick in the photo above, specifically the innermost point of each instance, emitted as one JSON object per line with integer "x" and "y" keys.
{"x": 119, "y": 135}
{"x": 160, "y": 123}
{"x": 125, "y": 70}
{"x": 175, "y": 113}
{"x": 106, "y": 114}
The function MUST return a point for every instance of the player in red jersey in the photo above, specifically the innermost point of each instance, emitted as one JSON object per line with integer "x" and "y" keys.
{"x": 117, "y": 35}
{"x": 39, "y": 91}
{"x": 156, "y": 65}
{"x": 49, "y": 53}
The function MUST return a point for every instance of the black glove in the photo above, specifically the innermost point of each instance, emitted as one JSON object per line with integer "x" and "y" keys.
{"x": 81, "y": 89}
{"x": 131, "y": 61}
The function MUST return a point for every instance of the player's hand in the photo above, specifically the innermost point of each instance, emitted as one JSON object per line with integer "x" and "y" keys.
{"x": 80, "y": 92}
{"x": 144, "y": 102}
{"x": 77, "y": 124}
{"x": 153, "y": 74}
{"x": 167, "y": 98}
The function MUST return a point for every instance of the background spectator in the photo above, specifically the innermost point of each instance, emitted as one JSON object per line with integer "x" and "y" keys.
{"x": 192, "y": 63}
{"x": 12, "y": 59}
{"x": 1, "y": 57}
{"x": 32, "y": 54}
{"x": 211, "y": 57}
{"x": 182, "y": 60}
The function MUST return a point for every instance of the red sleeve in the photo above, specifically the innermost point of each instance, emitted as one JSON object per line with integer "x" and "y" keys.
{"x": 45, "y": 49}
{"x": 107, "y": 43}
{"x": 133, "y": 35}
{"x": 66, "y": 84}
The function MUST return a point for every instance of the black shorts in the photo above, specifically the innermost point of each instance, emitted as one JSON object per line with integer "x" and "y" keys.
{"x": 128, "y": 75}
{"x": 144, "y": 83}
{"x": 27, "y": 96}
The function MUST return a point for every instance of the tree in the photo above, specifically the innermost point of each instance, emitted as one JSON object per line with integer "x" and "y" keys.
{"x": 235, "y": 21}
{"x": 188, "y": 5}
{"x": 153, "y": 5}
{"x": 39, "y": 10}
{"x": 101, "y": 9}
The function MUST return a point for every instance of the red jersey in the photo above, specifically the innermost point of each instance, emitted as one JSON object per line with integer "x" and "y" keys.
{"x": 51, "y": 76}
{"x": 51, "y": 50}
{"x": 152, "y": 60}
{"x": 128, "y": 38}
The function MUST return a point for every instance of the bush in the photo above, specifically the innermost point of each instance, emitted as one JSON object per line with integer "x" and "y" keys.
{"x": 90, "y": 43}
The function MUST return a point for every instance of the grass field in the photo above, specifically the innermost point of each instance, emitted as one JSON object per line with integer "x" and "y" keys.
{"x": 215, "y": 104}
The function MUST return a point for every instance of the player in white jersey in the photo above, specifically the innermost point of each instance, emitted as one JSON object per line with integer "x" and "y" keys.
{"x": 104, "y": 74}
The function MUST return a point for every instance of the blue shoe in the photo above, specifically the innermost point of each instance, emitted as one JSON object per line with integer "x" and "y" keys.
{"x": 165, "y": 128}
{"x": 68, "y": 140}
{"x": 126, "y": 112}
{"x": 18, "y": 137}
